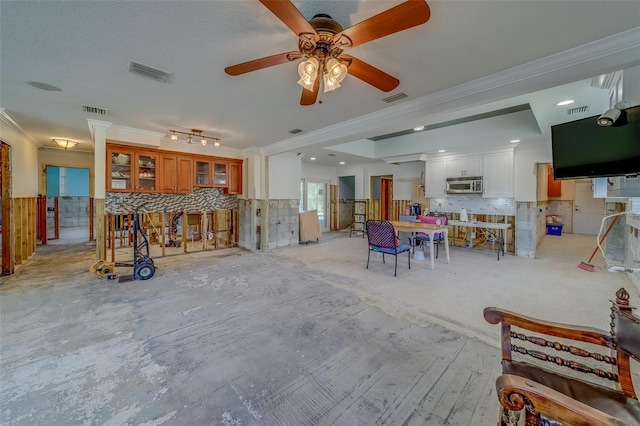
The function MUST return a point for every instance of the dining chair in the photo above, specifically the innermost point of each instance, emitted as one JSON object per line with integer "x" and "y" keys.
{"x": 382, "y": 239}
{"x": 421, "y": 237}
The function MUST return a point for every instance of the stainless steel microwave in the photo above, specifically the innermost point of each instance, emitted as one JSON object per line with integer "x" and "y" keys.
{"x": 464, "y": 185}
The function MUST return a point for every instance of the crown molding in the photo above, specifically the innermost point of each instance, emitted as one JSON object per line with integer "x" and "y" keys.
{"x": 12, "y": 124}
{"x": 593, "y": 58}
{"x": 135, "y": 136}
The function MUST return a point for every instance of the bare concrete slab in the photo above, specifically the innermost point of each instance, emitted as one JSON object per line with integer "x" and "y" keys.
{"x": 231, "y": 338}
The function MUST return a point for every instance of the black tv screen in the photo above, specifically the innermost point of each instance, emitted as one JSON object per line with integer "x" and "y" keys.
{"x": 583, "y": 149}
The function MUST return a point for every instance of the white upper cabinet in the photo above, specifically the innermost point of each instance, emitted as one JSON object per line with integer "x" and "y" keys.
{"x": 436, "y": 178}
{"x": 498, "y": 174}
{"x": 465, "y": 166}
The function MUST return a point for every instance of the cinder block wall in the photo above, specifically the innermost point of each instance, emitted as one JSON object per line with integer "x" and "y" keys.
{"x": 72, "y": 211}
{"x": 526, "y": 220}
{"x": 283, "y": 223}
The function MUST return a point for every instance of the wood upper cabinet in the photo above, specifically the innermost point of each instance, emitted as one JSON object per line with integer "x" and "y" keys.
{"x": 210, "y": 172}
{"x": 119, "y": 169}
{"x": 234, "y": 178}
{"x": 176, "y": 173}
{"x": 129, "y": 170}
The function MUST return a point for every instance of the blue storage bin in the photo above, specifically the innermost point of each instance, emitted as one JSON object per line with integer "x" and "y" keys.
{"x": 554, "y": 229}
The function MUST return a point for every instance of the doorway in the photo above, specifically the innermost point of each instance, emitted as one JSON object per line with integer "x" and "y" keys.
{"x": 382, "y": 190}
{"x": 587, "y": 211}
{"x": 68, "y": 205}
{"x": 5, "y": 212}
{"x": 313, "y": 196}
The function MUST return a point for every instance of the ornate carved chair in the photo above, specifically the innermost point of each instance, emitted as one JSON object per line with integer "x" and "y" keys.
{"x": 382, "y": 239}
{"x": 577, "y": 395}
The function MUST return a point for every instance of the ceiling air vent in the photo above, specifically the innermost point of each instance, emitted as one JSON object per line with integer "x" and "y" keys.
{"x": 577, "y": 110}
{"x": 395, "y": 97}
{"x": 94, "y": 110}
{"x": 149, "y": 72}
{"x": 295, "y": 131}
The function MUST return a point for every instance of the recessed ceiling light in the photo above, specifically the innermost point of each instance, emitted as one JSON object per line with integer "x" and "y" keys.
{"x": 442, "y": 150}
{"x": 312, "y": 158}
{"x": 514, "y": 140}
{"x": 566, "y": 102}
{"x": 342, "y": 162}
{"x": 419, "y": 128}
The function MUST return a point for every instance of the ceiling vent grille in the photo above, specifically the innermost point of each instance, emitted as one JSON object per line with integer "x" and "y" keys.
{"x": 295, "y": 131}
{"x": 577, "y": 110}
{"x": 149, "y": 72}
{"x": 94, "y": 110}
{"x": 395, "y": 97}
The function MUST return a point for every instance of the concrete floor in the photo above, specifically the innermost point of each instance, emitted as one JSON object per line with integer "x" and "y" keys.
{"x": 298, "y": 336}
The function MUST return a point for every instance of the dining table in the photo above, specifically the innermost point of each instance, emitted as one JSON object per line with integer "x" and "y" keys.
{"x": 427, "y": 228}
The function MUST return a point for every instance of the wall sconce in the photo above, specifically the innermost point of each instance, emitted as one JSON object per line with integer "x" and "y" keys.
{"x": 65, "y": 143}
{"x": 204, "y": 140}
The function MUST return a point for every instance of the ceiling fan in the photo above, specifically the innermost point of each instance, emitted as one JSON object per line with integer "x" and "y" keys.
{"x": 322, "y": 40}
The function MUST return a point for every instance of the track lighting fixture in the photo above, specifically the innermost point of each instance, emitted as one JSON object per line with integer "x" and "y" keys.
{"x": 204, "y": 140}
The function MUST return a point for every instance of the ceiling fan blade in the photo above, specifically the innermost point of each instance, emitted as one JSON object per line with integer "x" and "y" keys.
{"x": 309, "y": 97}
{"x": 257, "y": 64}
{"x": 290, "y": 16}
{"x": 370, "y": 74}
{"x": 398, "y": 18}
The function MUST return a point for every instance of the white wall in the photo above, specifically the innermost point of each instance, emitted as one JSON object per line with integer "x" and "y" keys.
{"x": 62, "y": 158}
{"x": 284, "y": 176}
{"x": 319, "y": 173}
{"x": 403, "y": 174}
{"x": 24, "y": 159}
{"x": 525, "y": 159}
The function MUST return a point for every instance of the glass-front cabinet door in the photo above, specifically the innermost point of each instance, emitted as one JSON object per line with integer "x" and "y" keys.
{"x": 146, "y": 172}
{"x": 220, "y": 174}
{"x": 120, "y": 162}
{"x": 203, "y": 173}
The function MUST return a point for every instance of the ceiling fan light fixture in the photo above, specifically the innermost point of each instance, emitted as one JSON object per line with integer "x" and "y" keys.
{"x": 189, "y": 140}
{"x": 308, "y": 72}
{"x": 203, "y": 141}
{"x": 216, "y": 144}
{"x": 174, "y": 137}
{"x": 330, "y": 83}
{"x": 336, "y": 69}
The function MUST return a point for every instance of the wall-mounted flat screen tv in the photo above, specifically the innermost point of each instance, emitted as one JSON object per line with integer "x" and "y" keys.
{"x": 583, "y": 149}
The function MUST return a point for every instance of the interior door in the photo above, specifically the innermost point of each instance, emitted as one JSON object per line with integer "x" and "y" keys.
{"x": 314, "y": 196}
{"x": 587, "y": 211}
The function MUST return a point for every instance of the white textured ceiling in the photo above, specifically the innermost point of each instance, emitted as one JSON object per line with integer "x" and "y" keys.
{"x": 84, "y": 48}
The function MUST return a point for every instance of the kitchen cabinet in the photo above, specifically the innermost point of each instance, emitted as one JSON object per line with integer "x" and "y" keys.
{"x": 210, "y": 172}
{"x": 235, "y": 178}
{"x": 176, "y": 173}
{"x": 220, "y": 174}
{"x": 467, "y": 166}
{"x": 498, "y": 174}
{"x": 436, "y": 178}
{"x": 130, "y": 170}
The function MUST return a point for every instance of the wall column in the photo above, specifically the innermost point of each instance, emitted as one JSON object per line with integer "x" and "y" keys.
{"x": 98, "y": 131}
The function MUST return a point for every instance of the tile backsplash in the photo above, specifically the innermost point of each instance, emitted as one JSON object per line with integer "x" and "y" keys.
{"x": 474, "y": 203}
{"x": 200, "y": 199}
